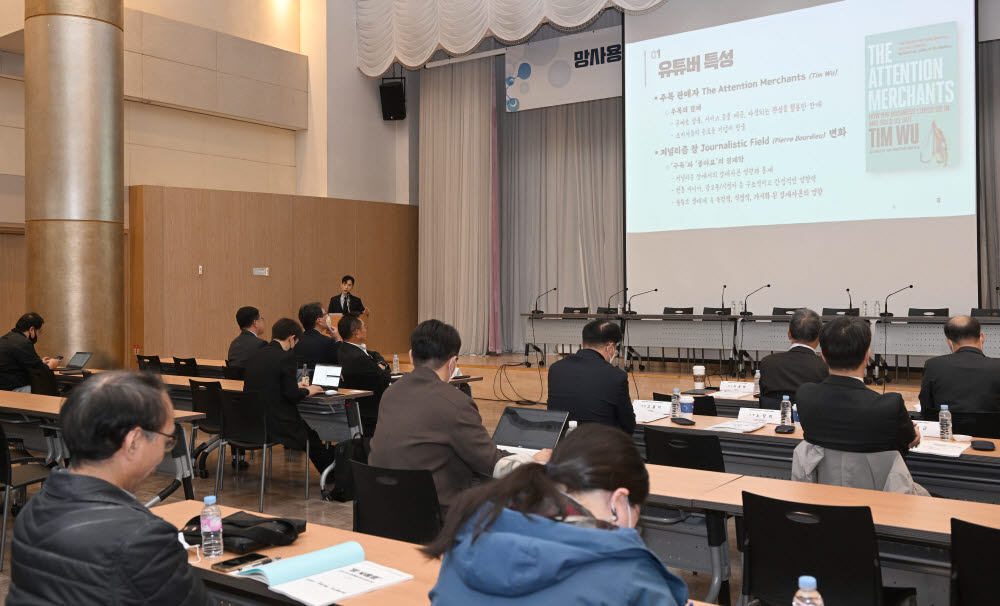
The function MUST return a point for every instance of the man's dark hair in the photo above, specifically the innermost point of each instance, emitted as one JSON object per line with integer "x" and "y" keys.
{"x": 601, "y": 332}
{"x": 962, "y": 329}
{"x": 101, "y": 411}
{"x": 29, "y": 320}
{"x": 246, "y": 316}
{"x": 844, "y": 342}
{"x": 805, "y": 325}
{"x": 284, "y": 328}
{"x": 348, "y": 325}
{"x": 346, "y": 278}
{"x": 309, "y": 313}
{"x": 433, "y": 343}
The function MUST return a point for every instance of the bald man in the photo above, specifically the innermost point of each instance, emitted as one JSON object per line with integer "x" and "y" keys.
{"x": 966, "y": 380}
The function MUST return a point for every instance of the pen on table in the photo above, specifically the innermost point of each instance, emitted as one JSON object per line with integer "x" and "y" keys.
{"x": 260, "y": 563}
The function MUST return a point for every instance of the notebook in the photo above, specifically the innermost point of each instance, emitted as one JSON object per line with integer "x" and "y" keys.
{"x": 526, "y": 431}
{"x": 78, "y": 361}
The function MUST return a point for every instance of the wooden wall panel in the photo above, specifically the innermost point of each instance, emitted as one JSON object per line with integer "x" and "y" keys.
{"x": 326, "y": 247}
{"x": 12, "y": 278}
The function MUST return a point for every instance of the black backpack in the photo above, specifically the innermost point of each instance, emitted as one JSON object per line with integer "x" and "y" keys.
{"x": 355, "y": 449}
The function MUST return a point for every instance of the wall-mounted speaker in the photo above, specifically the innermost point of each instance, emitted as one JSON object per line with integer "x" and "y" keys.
{"x": 392, "y": 92}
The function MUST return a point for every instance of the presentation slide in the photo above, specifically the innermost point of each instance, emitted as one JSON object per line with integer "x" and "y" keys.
{"x": 816, "y": 148}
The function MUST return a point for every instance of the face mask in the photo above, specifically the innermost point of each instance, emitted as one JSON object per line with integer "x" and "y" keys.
{"x": 33, "y": 339}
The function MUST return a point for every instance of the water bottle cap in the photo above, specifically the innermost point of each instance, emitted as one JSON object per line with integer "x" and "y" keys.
{"x": 807, "y": 582}
{"x": 677, "y": 390}
{"x": 783, "y": 398}
{"x": 944, "y": 407}
{"x": 210, "y": 499}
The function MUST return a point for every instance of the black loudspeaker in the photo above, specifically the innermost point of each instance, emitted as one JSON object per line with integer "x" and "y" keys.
{"x": 392, "y": 92}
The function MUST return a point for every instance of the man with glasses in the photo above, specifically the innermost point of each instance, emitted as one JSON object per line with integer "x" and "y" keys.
{"x": 83, "y": 538}
{"x": 17, "y": 354}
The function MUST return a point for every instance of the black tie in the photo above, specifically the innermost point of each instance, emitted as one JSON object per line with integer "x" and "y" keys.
{"x": 347, "y": 304}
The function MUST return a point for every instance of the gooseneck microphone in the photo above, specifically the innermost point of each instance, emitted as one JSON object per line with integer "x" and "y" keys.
{"x": 536, "y": 310}
{"x": 747, "y": 312}
{"x": 885, "y": 313}
{"x": 616, "y": 293}
{"x": 722, "y": 299}
{"x": 850, "y": 302}
{"x": 638, "y": 295}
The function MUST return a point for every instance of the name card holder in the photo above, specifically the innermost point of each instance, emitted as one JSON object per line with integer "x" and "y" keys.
{"x": 760, "y": 415}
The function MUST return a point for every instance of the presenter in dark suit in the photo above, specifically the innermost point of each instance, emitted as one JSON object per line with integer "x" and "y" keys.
{"x": 587, "y": 386}
{"x": 345, "y": 302}
{"x": 271, "y": 373}
{"x": 840, "y": 412}
{"x": 315, "y": 347}
{"x": 782, "y": 373}
{"x": 362, "y": 369}
{"x": 248, "y": 341}
{"x": 966, "y": 380}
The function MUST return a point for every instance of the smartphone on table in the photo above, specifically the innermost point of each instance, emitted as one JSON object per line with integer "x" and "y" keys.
{"x": 239, "y": 562}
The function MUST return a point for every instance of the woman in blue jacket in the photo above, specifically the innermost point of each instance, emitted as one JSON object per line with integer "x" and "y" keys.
{"x": 559, "y": 533}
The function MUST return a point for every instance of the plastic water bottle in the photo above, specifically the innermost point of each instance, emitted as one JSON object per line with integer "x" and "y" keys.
{"x": 786, "y": 411}
{"x": 570, "y": 426}
{"x": 864, "y": 308}
{"x": 211, "y": 529}
{"x": 807, "y": 594}
{"x": 395, "y": 364}
{"x": 305, "y": 375}
{"x": 620, "y": 307}
{"x": 944, "y": 418}
{"x": 878, "y": 308}
{"x": 675, "y": 404}
{"x": 756, "y": 383}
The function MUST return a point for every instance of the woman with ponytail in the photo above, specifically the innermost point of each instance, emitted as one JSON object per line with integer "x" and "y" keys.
{"x": 559, "y": 533}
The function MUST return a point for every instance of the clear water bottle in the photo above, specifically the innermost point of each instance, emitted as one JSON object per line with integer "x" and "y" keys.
{"x": 620, "y": 309}
{"x": 211, "y": 529}
{"x": 878, "y": 308}
{"x": 734, "y": 307}
{"x": 305, "y": 375}
{"x": 807, "y": 594}
{"x": 756, "y": 383}
{"x": 944, "y": 418}
{"x": 786, "y": 411}
{"x": 675, "y": 404}
{"x": 395, "y": 364}
{"x": 864, "y": 308}
{"x": 570, "y": 426}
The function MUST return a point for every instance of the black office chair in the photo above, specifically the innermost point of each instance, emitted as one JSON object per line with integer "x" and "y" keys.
{"x": 769, "y": 402}
{"x": 16, "y": 476}
{"x": 703, "y": 405}
{"x": 675, "y": 449}
{"x": 233, "y": 373}
{"x": 933, "y": 312}
{"x": 186, "y": 367}
{"x": 576, "y": 310}
{"x": 976, "y": 424}
{"x": 973, "y": 563}
{"x": 678, "y": 310}
{"x": 206, "y": 398}
{"x": 837, "y": 545}
{"x": 717, "y": 311}
{"x": 985, "y": 312}
{"x": 841, "y": 311}
{"x": 607, "y": 310}
{"x": 783, "y": 311}
{"x": 244, "y": 427}
{"x": 400, "y": 504}
{"x": 150, "y": 364}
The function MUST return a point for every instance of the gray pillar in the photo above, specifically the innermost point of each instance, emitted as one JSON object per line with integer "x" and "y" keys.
{"x": 74, "y": 175}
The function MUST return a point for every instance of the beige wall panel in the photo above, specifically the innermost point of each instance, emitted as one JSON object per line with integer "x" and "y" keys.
{"x": 133, "y": 74}
{"x": 280, "y": 179}
{"x": 11, "y": 199}
{"x": 12, "y": 64}
{"x": 12, "y": 279}
{"x": 280, "y": 146}
{"x": 295, "y": 107}
{"x": 179, "y": 84}
{"x": 158, "y": 166}
{"x": 249, "y": 59}
{"x": 326, "y": 242}
{"x": 11, "y": 103}
{"x": 180, "y": 42}
{"x": 251, "y": 98}
{"x": 133, "y": 30}
{"x": 294, "y": 71}
{"x": 12, "y": 156}
{"x": 236, "y": 174}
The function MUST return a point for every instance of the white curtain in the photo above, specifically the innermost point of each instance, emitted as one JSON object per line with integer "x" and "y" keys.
{"x": 561, "y": 209}
{"x": 410, "y": 31}
{"x": 455, "y": 187}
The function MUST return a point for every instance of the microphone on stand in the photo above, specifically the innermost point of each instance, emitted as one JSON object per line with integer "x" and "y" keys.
{"x": 722, "y": 300}
{"x": 850, "y": 302}
{"x": 747, "y": 312}
{"x": 536, "y": 310}
{"x": 634, "y": 296}
{"x": 885, "y": 313}
{"x": 616, "y": 293}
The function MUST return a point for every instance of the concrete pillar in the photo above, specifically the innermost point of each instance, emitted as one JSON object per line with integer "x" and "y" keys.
{"x": 74, "y": 175}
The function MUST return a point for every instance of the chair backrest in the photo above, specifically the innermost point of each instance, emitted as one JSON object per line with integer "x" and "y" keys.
{"x": 206, "y": 397}
{"x": 576, "y": 310}
{"x": 5, "y": 471}
{"x": 935, "y": 312}
{"x": 976, "y": 424}
{"x": 43, "y": 382}
{"x": 666, "y": 447}
{"x": 884, "y": 470}
{"x": 400, "y": 504}
{"x": 841, "y": 311}
{"x": 717, "y": 311}
{"x": 973, "y": 563}
{"x": 607, "y": 310}
{"x": 186, "y": 367}
{"x": 985, "y": 312}
{"x": 244, "y": 417}
{"x": 783, "y": 540}
{"x": 783, "y": 311}
{"x": 703, "y": 405}
{"x": 233, "y": 373}
{"x": 678, "y": 310}
{"x": 150, "y": 363}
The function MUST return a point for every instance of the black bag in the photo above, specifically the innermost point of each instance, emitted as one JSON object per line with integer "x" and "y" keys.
{"x": 244, "y": 532}
{"x": 355, "y": 449}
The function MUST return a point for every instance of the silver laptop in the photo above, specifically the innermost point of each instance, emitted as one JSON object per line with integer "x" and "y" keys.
{"x": 525, "y": 430}
{"x": 327, "y": 376}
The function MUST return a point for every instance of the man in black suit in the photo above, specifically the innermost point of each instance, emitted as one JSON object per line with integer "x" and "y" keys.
{"x": 966, "y": 380}
{"x": 587, "y": 386}
{"x": 18, "y": 356}
{"x": 248, "y": 341}
{"x": 315, "y": 347}
{"x": 271, "y": 373}
{"x": 345, "y": 302}
{"x": 782, "y": 373}
{"x": 841, "y": 413}
{"x": 362, "y": 369}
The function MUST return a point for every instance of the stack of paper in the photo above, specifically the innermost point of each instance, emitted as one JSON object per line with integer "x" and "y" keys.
{"x": 648, "y": 416}
{"x": 737, "y": 426}
{"x": 941, "y": 448}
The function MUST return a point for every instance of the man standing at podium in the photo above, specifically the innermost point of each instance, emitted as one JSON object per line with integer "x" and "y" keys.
{"x": 346, "y": 303}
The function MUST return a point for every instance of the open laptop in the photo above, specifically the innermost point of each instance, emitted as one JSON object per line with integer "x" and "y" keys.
{"x": 524, "y": 430}
{"x": 78, "y": 361}
{"x": 327, "y": 376}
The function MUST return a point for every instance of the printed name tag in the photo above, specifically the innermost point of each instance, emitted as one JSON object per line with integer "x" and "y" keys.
{"x": 929, "y": 429}
{"x": 771, "y": 417}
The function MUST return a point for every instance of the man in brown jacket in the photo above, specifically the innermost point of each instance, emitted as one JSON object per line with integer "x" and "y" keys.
{"x": 426, "y": 423}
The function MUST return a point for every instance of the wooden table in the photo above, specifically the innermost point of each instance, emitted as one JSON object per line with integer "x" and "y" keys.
{"x": 394, "y": 554}
{"x": 680, "y": 487}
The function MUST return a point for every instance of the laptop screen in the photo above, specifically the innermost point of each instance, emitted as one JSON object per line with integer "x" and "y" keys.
{"x": 326, "y": 376}
{"x": 527, "y": 428}
{"x": 79, "y": 359}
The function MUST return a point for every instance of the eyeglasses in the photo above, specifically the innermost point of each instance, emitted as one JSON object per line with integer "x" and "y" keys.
{"x": 171, "y": 439}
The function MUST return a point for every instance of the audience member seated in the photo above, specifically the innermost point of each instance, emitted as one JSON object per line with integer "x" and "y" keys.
{"x": 83, "y": 538}
{"x": 362, "y": 368}
{"x": 559, "y": 533}
{"x": 840, "y": 412}
{"x": 271, "y": 372}
{"x": 315, "y": 347}
{"x": 425, "y": 423}
{"x": 17, "y": 354}
{"x": 346, "y": 303}
{"x": 248, "y": 341}
{"x": 588, "y": 386}
{"x": 966, "y": 380}
{"x": 782, "y": 373}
